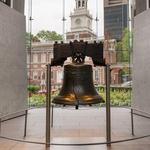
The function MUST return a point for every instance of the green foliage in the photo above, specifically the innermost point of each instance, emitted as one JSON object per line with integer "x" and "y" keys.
{"x": 35, "y": 39}
{"x": 38, "y": 100}
{"x": 49, "y": 35}
{"x": 118, "y": 96}
{"x": 43, "y": 35}
{"x": 126, "y": 71}
{"x": 33, "y": 89}
{"x": 27, "y": 37}
{"x": 31, "y": 38}
{"x": 123, "y": 56}
{"x": 126, "y": 39}
{"x": 123, "y": 47}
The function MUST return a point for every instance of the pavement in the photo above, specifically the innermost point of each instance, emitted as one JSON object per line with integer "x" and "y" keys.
{"x": 86, "y": 125}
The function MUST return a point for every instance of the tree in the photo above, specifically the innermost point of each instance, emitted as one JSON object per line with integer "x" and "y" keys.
{"x": 49, "y": 35}
{"x": 33, "y": 89}
{"x": 35, "y": 39}
{"x": 124, "y": 46}
{"x": 31, "y": 38}
{"x": 27, "y": 37}
{"x": 127, "y": 39}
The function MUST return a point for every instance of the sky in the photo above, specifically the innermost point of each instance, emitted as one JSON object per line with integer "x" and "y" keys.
{"x": 47, "y": 14}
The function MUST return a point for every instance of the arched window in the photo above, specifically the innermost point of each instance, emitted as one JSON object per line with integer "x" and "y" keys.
{"x": 43, "y": 76}
{"x": 83, "y": 3}
{"x": 79, "y": 4}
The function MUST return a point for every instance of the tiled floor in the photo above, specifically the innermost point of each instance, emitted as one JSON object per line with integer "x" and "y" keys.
{"x": 77, "y": 126}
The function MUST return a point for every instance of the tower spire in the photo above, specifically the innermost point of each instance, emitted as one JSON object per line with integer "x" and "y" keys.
{"x": 81, "y": 22}
{"x": 81, "y": 4}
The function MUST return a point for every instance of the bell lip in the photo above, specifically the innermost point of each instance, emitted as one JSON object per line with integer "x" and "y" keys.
{"x": 75, "y": 103}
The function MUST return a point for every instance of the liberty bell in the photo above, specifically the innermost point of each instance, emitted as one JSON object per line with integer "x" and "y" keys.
{"x": 78, "y": 87}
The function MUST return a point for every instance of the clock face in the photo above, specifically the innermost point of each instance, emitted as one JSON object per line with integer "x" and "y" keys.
{"x": 78, "y": 21}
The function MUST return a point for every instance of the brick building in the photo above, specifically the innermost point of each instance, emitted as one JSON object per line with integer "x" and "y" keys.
{"x": 37, "y": 59}
{"x": 42, "y": 53}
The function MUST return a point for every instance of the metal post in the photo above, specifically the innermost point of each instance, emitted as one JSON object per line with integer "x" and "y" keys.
{"x": 48, "y": 106}
{"x": 0, "y": 125}
{"x": 63, "y": 19}
{"x": 30, "y": 44}
{"x": 25, "y": 125}
{"x": 12, "y": 3}
{"x": 147, "y": 4}
{"x": 132, "y": 122}
{"x": 52, "y": 116}
{"x": 96, "y": 19}
{"x": 108, "y": 111}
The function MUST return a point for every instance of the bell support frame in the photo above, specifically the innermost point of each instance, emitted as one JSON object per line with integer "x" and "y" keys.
{"x": 95, "y": 51}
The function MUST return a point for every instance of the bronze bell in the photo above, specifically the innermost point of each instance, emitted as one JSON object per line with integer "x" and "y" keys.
{"x": 78, "y": 88}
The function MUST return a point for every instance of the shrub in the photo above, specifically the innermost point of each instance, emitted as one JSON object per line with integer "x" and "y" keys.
{"x": 38, "y": 100}
{"x": 118, "y": 97}
{"x": 33, "y": 89}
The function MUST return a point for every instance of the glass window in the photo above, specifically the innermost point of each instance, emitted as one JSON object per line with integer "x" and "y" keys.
{"x": 115, "y": 20}
{"x": 43, "y": 76}
{"x": 39, "y": 58}
{"x": 83, "y": 3}
{"x": 96, "y": 75}
{"x": 79, "y": 4}
{"x": 35, "y": 58}
{"x": 32, "y": 57}
{"x": 35, "y": 75}
{"x": 52, "y": 74}
{"x": 43, "y": 58}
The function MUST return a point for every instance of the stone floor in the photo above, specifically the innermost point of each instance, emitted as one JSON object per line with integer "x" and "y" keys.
{"x": 85, "y": 125}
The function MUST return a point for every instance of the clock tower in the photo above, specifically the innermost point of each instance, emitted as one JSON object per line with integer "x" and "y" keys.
{"x": 81, "y": 22}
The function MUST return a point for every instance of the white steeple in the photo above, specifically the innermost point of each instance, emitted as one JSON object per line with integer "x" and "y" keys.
{"x": 81, "y": 20}
{"x": 81, "y": 23}
{"x": 81, "y": 4}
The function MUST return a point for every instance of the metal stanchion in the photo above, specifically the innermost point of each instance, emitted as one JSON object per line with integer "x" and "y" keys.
{"x": 48, "y": 106}
{"x": 108, "y": 111}
{"x": 52, "y": 118}
{"x": 25, "y": 126}
{"x": 0, "y": 125}
{"x": 132, "y": 122}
